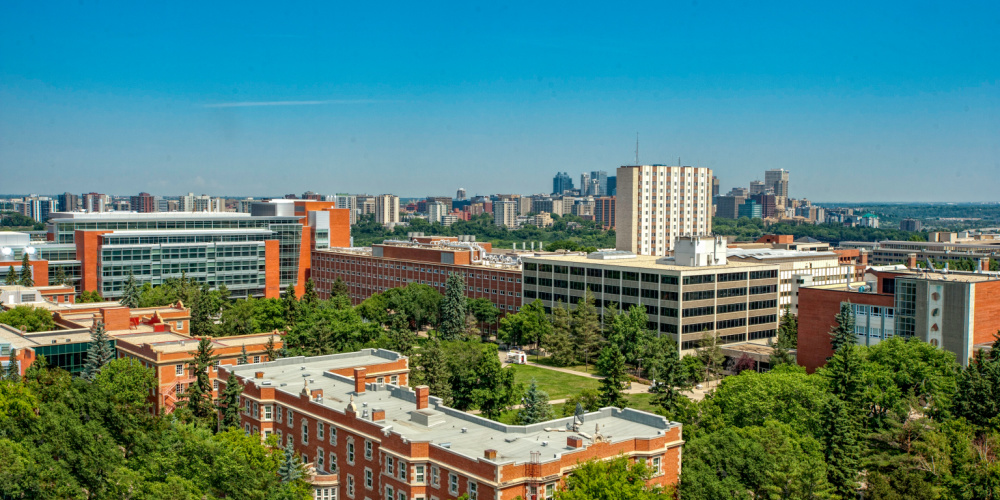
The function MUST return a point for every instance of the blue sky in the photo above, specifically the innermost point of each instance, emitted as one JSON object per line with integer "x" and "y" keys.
{"x": 892, "y": 101}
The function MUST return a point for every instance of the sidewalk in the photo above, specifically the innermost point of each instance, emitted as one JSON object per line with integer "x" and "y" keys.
{"x": 636, "y": 387}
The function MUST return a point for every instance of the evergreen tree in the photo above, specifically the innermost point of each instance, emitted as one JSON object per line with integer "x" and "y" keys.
{"x": 668, "y": 376}
{"x": 11, "y": 373}
{"x": 291, "y": 305}
{"x": 11, "y": 278}
{"x": 203, "y": 309}
{"x": 242, "y": 360}
{"x": 844, "y": 375}
{"x": 788, "y": 329}
{"x": 495, "y": 389}
{"x": 472, "y": 327}
{"x": 199, "y": 394}
{"x": 842, "y": 333}
{"x": 711, "y": 355}
{"x": 310, "y": 297}
{"x": 26, "y": 279}
{"x": 842, "y": 447}
{"x": 225, "y": 300}
{"x": 612, "y": 365}
{"x": 291, "y": 469}
{"x": 60, "y": 277}
{"x": 229, "y": 404}
{"x": 978, "y": 395}
{"x": 586, "y": 328}
{"x": 780, "y": 355}
{"x": 130, "y": 294}
{"x": 559, "y": 340}
{"x": 339, "y": 288}
{"x": 99, "y": 353}
{"x": 272, "y": 353}
{"x": 453, "y": 308}
{"x": 535, "y": 406}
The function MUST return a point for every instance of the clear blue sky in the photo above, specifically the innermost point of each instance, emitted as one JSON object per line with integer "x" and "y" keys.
{"x": 861, "y": 101}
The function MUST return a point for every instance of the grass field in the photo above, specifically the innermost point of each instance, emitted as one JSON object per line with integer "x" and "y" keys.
{"x": 577, "y": 368}
{"x": 558, "y": 385}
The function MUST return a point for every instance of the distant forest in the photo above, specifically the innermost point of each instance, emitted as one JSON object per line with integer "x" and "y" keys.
{"x": 934, "y": 216}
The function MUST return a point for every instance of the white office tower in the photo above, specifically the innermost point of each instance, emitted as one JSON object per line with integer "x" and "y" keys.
{"x": 656, "y": 204}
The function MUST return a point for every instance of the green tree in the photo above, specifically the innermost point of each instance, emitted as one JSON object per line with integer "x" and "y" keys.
{"x": 840, "y": 434}
{"x": 711, "y": 355}
{"x": 484, "y": 310}
{"x": 495, "y": 391}
{"x": 559, "y": 338}
{"x": 978, "y": 395}
{"x": 586, "y": 328}
{"x": 339, "y": 288}
{"x": 842, "y": 333}
{"x": 667, "y": 374}
{"x": 788, "y": 329}
{"x": 26, "y": 279}
{"x": 242, "y": 359}
{"x": 11, "y": 278}
{"x": 60, "y": 277}
{"x": 272, "y": 353}
{"x": 453, "y": 308}
{"x": 291, "y": 469}
{"x": 100, "y": 351}
{"x": 433, "y": 370}
{"x": 615, "y": 479}
{"x": 628, "y": 331}
{"x": 32, "y": 319}
{"x": 612, "y": 365}
{"x": 204, "y": 309}
{"x": 786, "y": 394}
{"x": 535, "y": 406}
{"x": 588, "y": 399}
{"x": 130, "y": 293}
{"x": 309, "y": 296}
{"x": 199, "y": 393}
{"x": 780, "y": 354}
{"x": 291, "y": 305}
{"x": 527, "y": 326}
{"x": 229, "y": 404}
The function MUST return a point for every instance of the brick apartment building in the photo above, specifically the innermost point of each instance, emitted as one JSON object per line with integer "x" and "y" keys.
{"x": 958, "y": 312}
{"x": 370, "y": 438}
{"x": 425, "y": 260}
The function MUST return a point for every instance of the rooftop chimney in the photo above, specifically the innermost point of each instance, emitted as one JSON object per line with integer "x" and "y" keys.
{"x": 317, "y": 393}
{"x": 378, "y": 415}
{"x": 911, "y": 261}
{"x": 359, "y": 380}
{"x": 258, "y": 375}
{"x": 422, "y": 393}
{"x": 574, "y": 442}
{"x": 490, "y": 455}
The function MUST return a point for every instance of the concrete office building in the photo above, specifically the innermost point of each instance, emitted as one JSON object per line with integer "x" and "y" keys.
{"x": 436, "y": 212}
{"x": 657, "y": 204}
{"x": 96, "y": 202}
{"x": 366, "y": 435}
{"x": 806, "y": 266}
{"x": 697, "y": 291}
{"x": 777, "y": 180}
{"x": 728, "y": 207}
{"x": 910, "y": 225}
{"x": 387, "y": 209}
{"x": 889, "y": 252}
{"x": 68, "y": 202}
{"x": 505, "y": 213}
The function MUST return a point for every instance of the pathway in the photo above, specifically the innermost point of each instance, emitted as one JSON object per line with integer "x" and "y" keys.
{"x": 636, "y": 387}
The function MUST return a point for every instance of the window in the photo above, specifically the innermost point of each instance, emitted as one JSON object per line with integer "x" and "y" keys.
{"x": 320, "y": 427}
{"x": 279, "y": 414}
{"x": 256, "y": 359}
{"x": 390, "y": 466}
{"x": 350, "y": 452}
{"x": 388, "y": 493}
{"x": 179, "y": 369}
{"x": 305, "y": 431}
{"x": 702, "y": 295}
{"x": 435, "y": 476}
{"x": 732, "y": 292}
{"x": 757, "y": 290}
{"x": 418, "y": 474}
{"x": 697, "y": 280}
{"x": 291, "y": 418}
{"x": 256, "y": 410}
{"x": 320, "y": 457}
{"x": 760, "y": 275}
{"x": 368, "y": 450}
{"x": 656, "y": 466}
{"x": 452, "y": 484}
{"x": 473, "y": 490}
{"x": 550, "y": 491}
{"x": 350, "y": 486}
{"x": 402, "y": 471}
{"x": 401, "y": 495}
{"x": 215, "y": 385}
{"x": 369, "y": 483}
{"x": 333, "y": 435}
{"x": 394, "y": 380}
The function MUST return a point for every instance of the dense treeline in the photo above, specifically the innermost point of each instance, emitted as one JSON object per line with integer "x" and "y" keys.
{"x": 890, "y": 214}
{"x": 12, "y": 220}
{"x": 76, "y": 438}
{"x": 747, "y": 229}
{"x": 566, "y": 228}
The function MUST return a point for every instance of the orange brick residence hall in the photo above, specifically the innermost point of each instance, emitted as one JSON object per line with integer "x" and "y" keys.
{"x": 366, "y": 437}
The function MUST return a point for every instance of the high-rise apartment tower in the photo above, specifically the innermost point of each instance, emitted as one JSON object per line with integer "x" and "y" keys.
{"x": 656, "y": 204}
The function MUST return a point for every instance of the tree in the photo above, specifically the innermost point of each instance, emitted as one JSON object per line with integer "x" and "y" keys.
{"x": 628, "y": 331}
{"x": 615, "y": 479}
{"x": 472, "y": 326}
{"x": 495, "y": 390}
{"x": 339, "y": 288}
{"x": 527, "y": 326}
{"x": 842, "y": 449}
{"x": 205, "y": 307}
{"x": 535, "y": 406}
{"x": 199, "y": 394}
{"x": 60, "y": 277}
{"x": 788, "y": 329}
{"x": 291, "y": 469}
{"x": 26, "y": 279}
{"x": 587, "y": 399}
{"x": 559, "y": 338}
{"x": 11, "y": 278}
{"x": 99, "y": 353}
{"x": 32, "y": 319}
{"x": 711, "y": 355}
{"x": 586, "y": 328}
{"x": 612, "y": 365}
{"x": 484, "y": 310}
{"x": 779, "y": 354}
{"x": 242, "y": 360}
{"x": 272, "y": 353}
{"x": 786, "y": 395}
{"x": 432, "y": 370}
{"x": 453, "y": 308}
{"x": 309, "y": 296}
{"x": 978, "y": 395}
{"x": 291, "y": 305}
{"x": 130, "y": 293}
{"x": 229, "y": 404}
{"x": 842, "y": 333}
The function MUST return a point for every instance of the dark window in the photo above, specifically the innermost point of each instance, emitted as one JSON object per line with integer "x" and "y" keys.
{"x": 593, "y": 273}
{"x": 668, "y": 280}
{"x": 576, "y": 271}
{"x": 529, "y": 294}
{"x": 577, "y": 285}
{"x": 698, "y": 311}
{"x": 544, "y": 281}
{"x": 697, "y": 327}
{"x": 650, "y": 278}
{"x": 758, "y": 290}
{"x": 730, "y": 323}
{"x": 628, "y": 275}
{"x": 731, "y": 308}
{"x": 561, "y": 269}
{"x": 545, "y": 268}
{"x": 594, "y": 287}
{"x": 612, "y": 289}
{"x": 668, "y": 311}
{"x": 763, "y": 334}
{"x": 608, "y": 273}
{"x": 530, "y": 280}
{"x": 732, "y": 277}
{"x": 561, "y": 284}
{"x": 629, "y": 291}
{"x": 669, "y": 296}
{"x": 650, "y": 294}
{"x": 702, "y": 295}
{"x": 763, "y": 304}
{"x": 762, "y": 275}
{"x": 650, "y": 309}
{"x": 668, "y": 328}
{"x": 698, "y": 280}
{"x": 732, "y": 292}
{"x": 761, "y": 320}
{"x": 530, "y": 266}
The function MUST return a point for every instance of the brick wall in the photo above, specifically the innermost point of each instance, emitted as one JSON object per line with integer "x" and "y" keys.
{"x": 818, "y": 309}
{"x": 987, "y": 315}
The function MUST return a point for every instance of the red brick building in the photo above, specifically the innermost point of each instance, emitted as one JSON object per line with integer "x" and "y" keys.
{"x": 366, "y": 439}
{"x": 425, "y": 260}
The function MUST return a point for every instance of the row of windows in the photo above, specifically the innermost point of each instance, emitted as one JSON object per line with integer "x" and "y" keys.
{"x": 760, "y": 320}
{"x": 724, "y": 277}
{"x": 699, "y": 311}
{"x": 763, "y": 289}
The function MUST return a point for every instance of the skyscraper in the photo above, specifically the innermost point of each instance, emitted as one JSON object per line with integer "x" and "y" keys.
{"x": 460, "y": 195}
{"x": 656, "y": 204}
{"x": 584, "y": 184}
{"x": 756, "y": 187}
{"x": 562, "y": 182}
{"x": 68, "y": 202}
{"x": 143, "y": 203}
{"x": 505, "y": 213}
{"x": 777, "y": 179}
{"x": 715, "y": 186}
{"x": 386, "y": 209}
{"x": 602, "y": 182}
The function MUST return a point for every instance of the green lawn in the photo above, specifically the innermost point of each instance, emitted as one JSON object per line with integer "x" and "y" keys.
{"x": 558, "y": 385}
{"x": 547, "y": 361}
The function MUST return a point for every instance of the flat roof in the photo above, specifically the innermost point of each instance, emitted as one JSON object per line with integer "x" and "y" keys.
{"x": 775, "y": 253}
{"x": 188, "y": 232}
{"x": 459, "y": 432}
{"x": 642, "y": 262}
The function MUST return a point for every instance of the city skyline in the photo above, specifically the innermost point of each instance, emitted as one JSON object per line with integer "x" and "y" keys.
{"x": 225, "y": 100}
